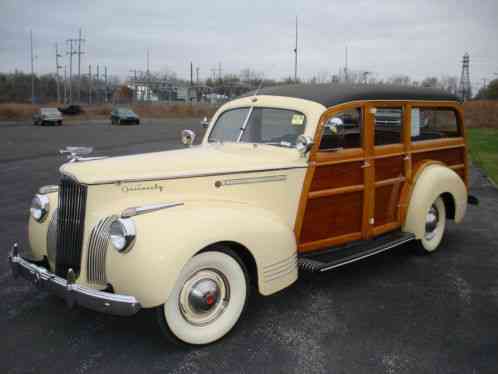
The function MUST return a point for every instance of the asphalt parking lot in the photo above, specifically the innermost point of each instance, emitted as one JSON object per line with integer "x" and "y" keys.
{"x": 394, "y": 313}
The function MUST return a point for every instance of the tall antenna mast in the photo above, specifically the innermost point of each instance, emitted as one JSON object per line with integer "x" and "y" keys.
{"x": 295, "y": 55}
{"x": 32, "y": 67}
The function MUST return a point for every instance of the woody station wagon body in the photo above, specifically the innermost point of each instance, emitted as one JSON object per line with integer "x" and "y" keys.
{"x": 314, "y": 176}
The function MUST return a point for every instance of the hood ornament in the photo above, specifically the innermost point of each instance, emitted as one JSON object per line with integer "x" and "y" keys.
{"x": 74, "y": 154}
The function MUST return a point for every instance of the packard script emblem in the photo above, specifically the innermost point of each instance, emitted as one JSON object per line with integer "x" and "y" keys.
{"x": 142, "y": 187}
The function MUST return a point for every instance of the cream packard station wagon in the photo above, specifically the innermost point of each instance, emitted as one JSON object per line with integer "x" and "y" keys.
{"x": 298, "y": 176}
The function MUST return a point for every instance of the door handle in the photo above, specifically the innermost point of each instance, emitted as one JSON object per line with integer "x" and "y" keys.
{"x": 407, "y": 158}
{"x": 366, "y": 164}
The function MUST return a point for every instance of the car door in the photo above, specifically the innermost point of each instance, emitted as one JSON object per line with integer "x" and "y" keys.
{"x": 390, "y": 160}
{"x": 334, "y": 201}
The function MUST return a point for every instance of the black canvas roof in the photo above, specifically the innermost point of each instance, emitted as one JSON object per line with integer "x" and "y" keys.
{"x": 334, "y": 93}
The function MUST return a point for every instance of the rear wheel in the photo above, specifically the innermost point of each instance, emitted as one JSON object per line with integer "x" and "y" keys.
{"x": 435, "y": 224}
{"x": 207, "y": 300}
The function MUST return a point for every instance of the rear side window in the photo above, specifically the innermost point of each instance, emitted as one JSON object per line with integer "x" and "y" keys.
{"x": 388, "y": 125}
{"x": 433, "y": 123}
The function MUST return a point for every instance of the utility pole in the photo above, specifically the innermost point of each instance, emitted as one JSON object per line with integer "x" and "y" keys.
{"x": 32, "y": 67}
{"x": 71, "y": 53}
{"x": 191, "y": 74}
{"x": 197, "y": 75}
{"x": 57, "y": 68}
{"x": 148, "y": 76}
{"x": 134, "y": 84}
{"x": 65, "y": 85}
{"x": 97, "y": 85}
{"x": 79, "y": 53}
{"x": 295, "y": 55}
{"x": 90, "y": 79}
{"x": 105, "y": 80}
{"x": 346, "y": 73}
{"x": 219, "y": 70}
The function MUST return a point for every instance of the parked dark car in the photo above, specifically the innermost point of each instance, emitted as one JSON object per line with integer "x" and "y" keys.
{"x": 124, "y": 115}
{"x": 71, "y": 110}
{"x": 47, "y": 116}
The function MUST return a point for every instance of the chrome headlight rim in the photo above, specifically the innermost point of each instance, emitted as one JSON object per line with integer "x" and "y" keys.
{"x": 122, "y": 234}
{"x": 40, "y": 206}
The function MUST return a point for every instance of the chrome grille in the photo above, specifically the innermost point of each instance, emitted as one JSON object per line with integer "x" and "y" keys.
{"x": 52, "y": 239}
{"x": 97, "y": 250}
{"x": 70, "y": 225}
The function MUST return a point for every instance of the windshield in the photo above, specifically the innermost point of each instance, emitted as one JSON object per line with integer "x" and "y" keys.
{"x": 259, "y": 125}
{"x": 126, "y": 112}
{"x": 50, "y": 110}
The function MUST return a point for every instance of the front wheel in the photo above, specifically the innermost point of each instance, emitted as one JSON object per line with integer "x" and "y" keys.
{"x": 435, "y": 224}
{"x": 207, "y": 300}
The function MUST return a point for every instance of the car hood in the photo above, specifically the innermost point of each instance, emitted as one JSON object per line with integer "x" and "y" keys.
{"x": 208, "y": 159}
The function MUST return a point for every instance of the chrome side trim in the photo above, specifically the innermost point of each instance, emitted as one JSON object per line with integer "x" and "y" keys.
{"x": 280, "y": 268}
{"x": 73, "y": 293}
{"x": 270, "y": 178}
{"x": 135, "y": 211}
{"x": 183, "y": 176}
{"x": 97, "y": 251}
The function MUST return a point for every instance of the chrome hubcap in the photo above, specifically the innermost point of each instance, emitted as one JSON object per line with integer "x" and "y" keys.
{"x": 204, "y": 297}
{"x": 431, "y": 222}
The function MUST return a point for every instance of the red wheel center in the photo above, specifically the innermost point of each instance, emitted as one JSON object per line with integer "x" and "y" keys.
{"x": 209, "y": 299}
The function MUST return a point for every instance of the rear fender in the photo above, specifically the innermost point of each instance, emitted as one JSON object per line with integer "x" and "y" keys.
{"x": 433, "y": 181}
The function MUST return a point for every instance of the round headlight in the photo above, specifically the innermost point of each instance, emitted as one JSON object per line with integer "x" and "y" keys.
{"x": 39, "y": 207}
{"x": 123, "y": 234}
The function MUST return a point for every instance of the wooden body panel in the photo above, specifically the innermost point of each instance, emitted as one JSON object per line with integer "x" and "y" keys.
{"x": 360, "y": 193}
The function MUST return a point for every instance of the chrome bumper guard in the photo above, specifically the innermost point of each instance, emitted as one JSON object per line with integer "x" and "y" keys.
{"x": 74, "y": 294}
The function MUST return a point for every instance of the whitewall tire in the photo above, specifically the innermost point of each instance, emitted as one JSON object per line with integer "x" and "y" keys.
{"x": 207, "y": 300}
{"x": 435, "y": 225}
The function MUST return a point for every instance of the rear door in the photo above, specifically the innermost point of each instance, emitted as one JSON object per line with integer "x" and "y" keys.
{"x": 390, "y": 159}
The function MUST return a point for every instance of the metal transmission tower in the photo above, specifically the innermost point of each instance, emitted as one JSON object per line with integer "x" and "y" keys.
{"x": 465, "y": 88}
{"x": 57, "y": 75}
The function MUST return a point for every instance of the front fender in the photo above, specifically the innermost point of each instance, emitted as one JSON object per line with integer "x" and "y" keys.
{"x": 433, "y": 181}
{"x": 167, "y": 239}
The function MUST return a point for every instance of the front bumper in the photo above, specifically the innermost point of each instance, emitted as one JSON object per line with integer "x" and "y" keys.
{"x": 74, "y": 294}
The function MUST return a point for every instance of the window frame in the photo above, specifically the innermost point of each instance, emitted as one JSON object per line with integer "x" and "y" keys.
{"x": 321, "y": 130}
{"x": 435, "y": 107}
{"x": 248, "y": 117}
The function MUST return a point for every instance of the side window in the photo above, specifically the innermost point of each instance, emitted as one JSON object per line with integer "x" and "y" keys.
{"x": 343, "y": 131}
{"x": 388, "y": 126}
{"x": 433, "y": 123}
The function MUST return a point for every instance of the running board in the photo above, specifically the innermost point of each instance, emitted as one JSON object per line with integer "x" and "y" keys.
{"x": 335, "y": 257}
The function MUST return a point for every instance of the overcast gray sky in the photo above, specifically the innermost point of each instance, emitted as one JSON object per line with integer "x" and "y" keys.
{"x": 418, "y": 37}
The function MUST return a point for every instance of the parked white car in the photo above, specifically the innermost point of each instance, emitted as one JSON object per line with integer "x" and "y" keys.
{"x": 47, "y": 116}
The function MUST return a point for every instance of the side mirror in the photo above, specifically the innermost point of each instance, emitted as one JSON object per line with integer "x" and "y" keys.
{"x": 188, "y": 137}
{"x": 205, "y": 123}
{"x": 304, "y": 144}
